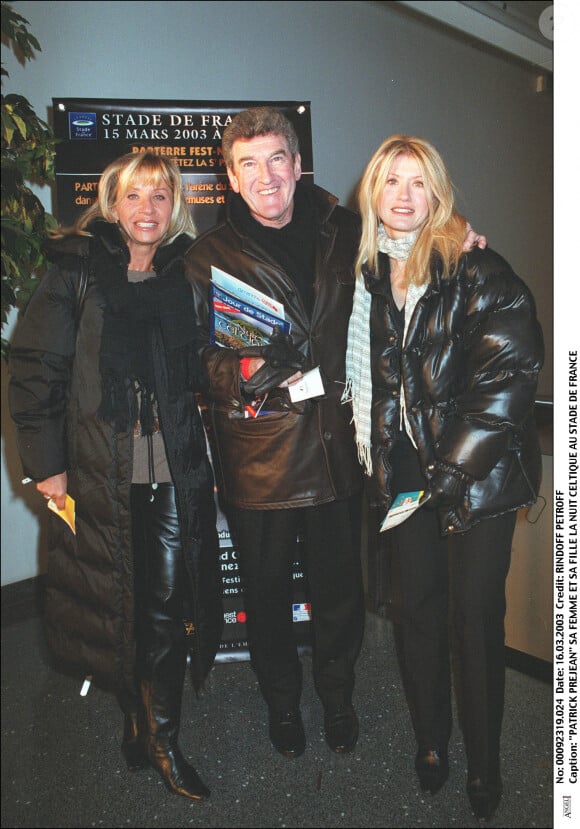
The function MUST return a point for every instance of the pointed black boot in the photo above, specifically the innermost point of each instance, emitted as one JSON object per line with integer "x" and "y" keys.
{"x": 162, "y": 702}
{"x": 132, "y": 744}
{"x": 132, "y": 747}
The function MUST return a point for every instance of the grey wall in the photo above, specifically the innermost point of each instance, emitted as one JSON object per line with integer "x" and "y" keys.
{"x": 369, "y": 70}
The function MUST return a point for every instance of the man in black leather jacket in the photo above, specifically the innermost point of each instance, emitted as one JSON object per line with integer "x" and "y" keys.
{"x": 293, "y": 471}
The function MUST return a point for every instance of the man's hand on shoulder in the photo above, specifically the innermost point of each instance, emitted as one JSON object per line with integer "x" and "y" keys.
{"x": 473, "y": 239}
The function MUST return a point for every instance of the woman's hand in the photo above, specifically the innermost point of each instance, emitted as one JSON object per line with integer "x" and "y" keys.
{"x": 55, "y": 488}
{"x": 445, "y": 490}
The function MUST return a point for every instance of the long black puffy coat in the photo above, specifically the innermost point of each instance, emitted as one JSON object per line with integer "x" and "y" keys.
{"x": 55, "y": 392}
{"x": 469, "y": 369}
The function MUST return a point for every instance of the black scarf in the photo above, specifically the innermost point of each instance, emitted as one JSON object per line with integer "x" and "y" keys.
{"x": 132, "y": 311}
{"x": 293, "y": 246}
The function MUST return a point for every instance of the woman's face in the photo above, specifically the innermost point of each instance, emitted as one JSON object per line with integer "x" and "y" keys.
{"x": 403, "y": 205}
{"x": 144, "y": 213}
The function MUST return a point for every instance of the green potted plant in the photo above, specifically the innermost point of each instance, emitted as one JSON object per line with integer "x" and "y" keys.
{"x": 28, "y": 152}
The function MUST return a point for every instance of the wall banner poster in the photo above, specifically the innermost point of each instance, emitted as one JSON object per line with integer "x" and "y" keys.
{"x": 93, "y": 132}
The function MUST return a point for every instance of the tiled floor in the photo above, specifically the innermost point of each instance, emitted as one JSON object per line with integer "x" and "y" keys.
{"x": 61, "y": 764}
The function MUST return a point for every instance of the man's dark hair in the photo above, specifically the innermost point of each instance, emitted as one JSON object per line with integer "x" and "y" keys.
{"x": 258, "y": 121}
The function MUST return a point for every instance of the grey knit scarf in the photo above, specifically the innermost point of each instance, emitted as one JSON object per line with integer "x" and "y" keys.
{"x": 358, "y": 390}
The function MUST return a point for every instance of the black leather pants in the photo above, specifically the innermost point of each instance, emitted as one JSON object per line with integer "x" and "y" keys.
{"x": 161, "y": 581}
{"x": 160, "y": 578}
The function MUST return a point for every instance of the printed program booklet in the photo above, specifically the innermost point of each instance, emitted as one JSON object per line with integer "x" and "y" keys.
{"x": 241, "y": 315}
{"x": 403, "y": 507}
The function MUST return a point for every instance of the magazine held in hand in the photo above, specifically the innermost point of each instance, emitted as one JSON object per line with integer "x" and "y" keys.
{"x": 243, "y": 316}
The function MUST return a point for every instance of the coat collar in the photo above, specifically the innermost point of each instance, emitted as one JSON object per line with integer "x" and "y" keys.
{"x": 321, "y": 200}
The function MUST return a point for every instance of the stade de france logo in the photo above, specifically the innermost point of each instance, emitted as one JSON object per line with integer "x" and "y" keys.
{"x": 82, "y": 126}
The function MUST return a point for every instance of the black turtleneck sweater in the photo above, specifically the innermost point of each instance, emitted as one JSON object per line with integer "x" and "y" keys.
{"x": 292, "y": 246}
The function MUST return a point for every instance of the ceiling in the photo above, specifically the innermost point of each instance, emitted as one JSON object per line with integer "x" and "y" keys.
{"x": 522, "y": 29}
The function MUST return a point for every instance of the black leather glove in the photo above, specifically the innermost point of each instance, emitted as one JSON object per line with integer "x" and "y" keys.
{"x": 282, "y": 360}
{"x": 280, "y": 352}
{"x": 446, "y": 489}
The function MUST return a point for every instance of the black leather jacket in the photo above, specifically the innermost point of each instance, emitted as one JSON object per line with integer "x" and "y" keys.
{"x": 469, "y": 369}
{"x": 302, "y": 454}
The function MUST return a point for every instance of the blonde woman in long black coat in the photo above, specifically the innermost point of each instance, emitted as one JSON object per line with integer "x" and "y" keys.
{"x": 103, "y": 388}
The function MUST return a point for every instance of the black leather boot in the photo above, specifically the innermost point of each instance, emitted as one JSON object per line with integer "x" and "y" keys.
{"x": 162, "y": 702}
{"x": 133, "y": 746}
{"x": 161, "y": 639}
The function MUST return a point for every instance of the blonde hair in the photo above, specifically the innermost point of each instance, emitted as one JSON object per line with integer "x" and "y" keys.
{"x": 444, "y": 229}
{"x": 119, "y": 176}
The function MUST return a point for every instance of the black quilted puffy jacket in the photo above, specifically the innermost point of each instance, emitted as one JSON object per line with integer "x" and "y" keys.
{"x": 469, "y": 367}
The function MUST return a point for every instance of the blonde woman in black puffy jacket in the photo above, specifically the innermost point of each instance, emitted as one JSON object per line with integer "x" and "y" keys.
{"x": 443, "y": 357}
